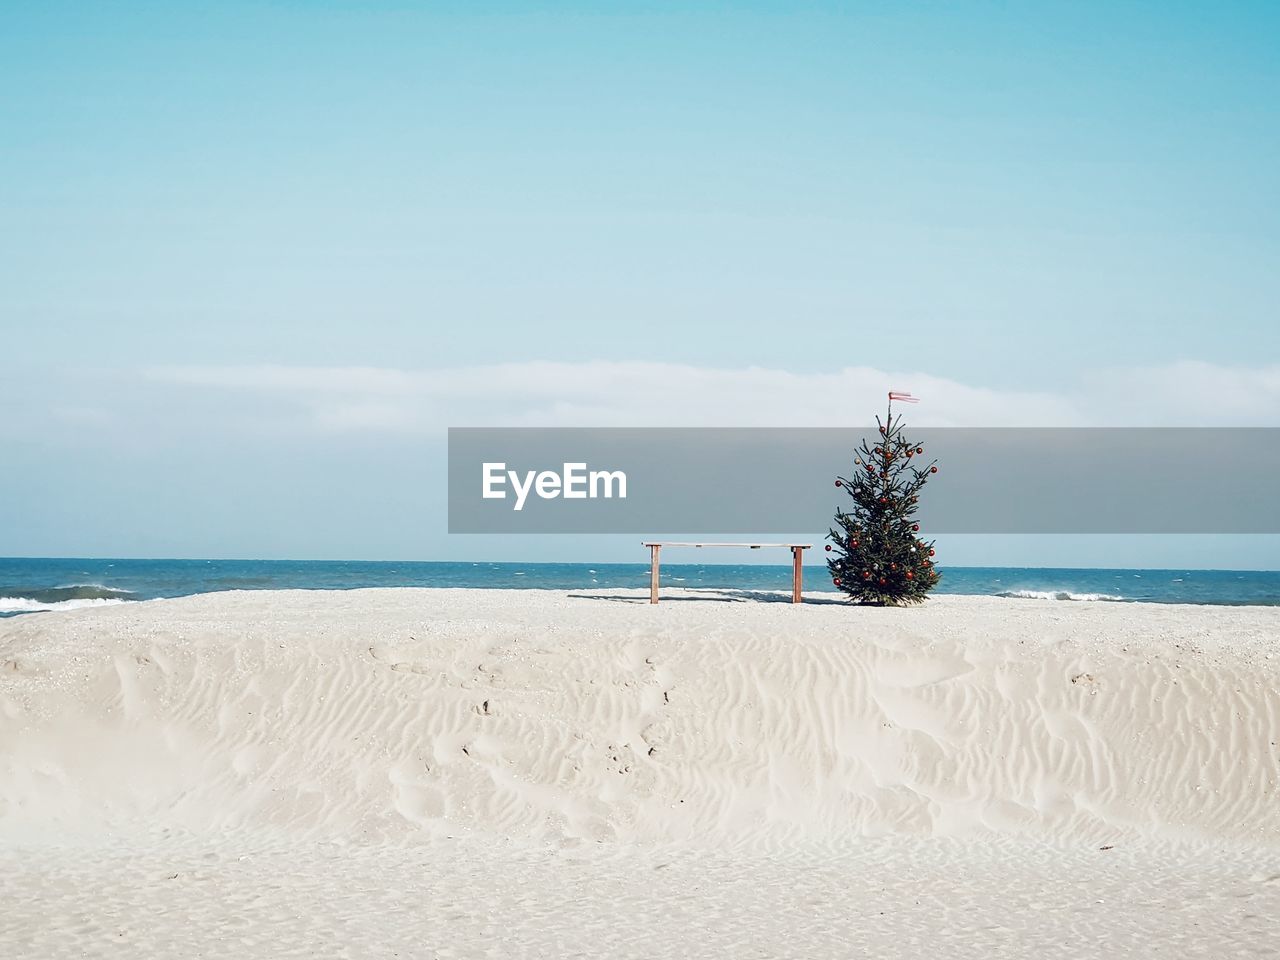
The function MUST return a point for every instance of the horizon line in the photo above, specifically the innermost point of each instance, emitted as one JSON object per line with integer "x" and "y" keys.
{"x": 607, "y": 563}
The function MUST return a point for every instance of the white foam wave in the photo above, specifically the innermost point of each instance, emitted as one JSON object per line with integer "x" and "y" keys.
{"x": 1058, "y": 595}
{"x": 27, "y": 605}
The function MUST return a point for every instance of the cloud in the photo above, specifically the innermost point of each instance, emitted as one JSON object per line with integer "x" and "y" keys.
{"x": 605, "y": 393}
{"x": 378, "y": 381}
{"x": 1186, "y": 393}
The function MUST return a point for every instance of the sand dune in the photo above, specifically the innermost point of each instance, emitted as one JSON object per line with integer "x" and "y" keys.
{"x": 414, "y": 720}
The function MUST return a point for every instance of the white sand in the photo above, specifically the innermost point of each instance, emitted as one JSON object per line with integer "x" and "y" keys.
{"x": 463, "y": 773}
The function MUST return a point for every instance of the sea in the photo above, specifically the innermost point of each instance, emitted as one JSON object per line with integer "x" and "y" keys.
{"x": 30, "y": 586}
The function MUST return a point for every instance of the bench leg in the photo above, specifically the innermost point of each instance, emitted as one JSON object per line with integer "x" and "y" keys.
{"x": 797, "y": 575}
{"x": 653, "y": 572}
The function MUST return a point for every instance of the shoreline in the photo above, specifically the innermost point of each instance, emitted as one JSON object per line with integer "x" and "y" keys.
{"x": 638, "y": 595}
{"x": 61, "y": 584}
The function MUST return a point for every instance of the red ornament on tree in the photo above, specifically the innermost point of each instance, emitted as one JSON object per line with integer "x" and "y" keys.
{"x": 827, "y": 548}
{"x": 931, "y": 553}
{"x": 915, "y": 527}
{"x": 836, "y": 581}
{"x": 910, "y": 575}
{"x": 882, "y": 581}
{"x": 919, "y": 449}
{"x": 854, "y": 544}
{"x": 839, "y": 484}
{"x": 933, "y": 469}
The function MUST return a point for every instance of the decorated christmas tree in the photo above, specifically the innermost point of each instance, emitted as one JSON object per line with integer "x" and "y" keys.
{"x": 876, "y": 553}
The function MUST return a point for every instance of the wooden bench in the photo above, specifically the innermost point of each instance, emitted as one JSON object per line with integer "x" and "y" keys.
{"x": 797, "y": 554}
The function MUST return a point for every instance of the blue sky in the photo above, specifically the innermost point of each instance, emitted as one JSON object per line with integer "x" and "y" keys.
{"x": 256, "y": 256}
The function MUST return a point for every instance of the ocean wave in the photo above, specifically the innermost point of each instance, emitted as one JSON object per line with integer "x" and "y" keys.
{"x": 1058, "y": 595}
{"x": 65, "y": 593}
{"x": 30, "y": 605}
